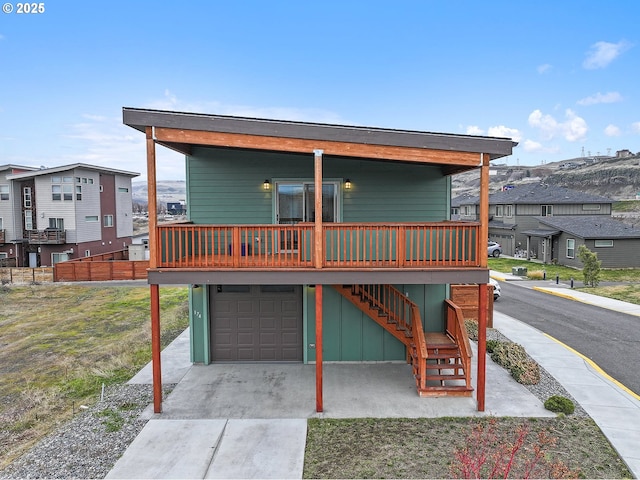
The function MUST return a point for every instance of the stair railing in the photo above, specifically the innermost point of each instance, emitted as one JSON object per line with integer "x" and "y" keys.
{"x": 455, "y": 329}
{"x": 405, "y": 314}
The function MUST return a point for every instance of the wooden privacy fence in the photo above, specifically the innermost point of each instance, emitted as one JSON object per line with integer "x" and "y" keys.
{"x": 466, "y": 297}
{"x": 26, "y": 275}
{"x": 104, "y": 267}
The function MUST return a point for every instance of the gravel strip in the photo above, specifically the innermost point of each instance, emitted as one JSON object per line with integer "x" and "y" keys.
{"x": 548, "y": 385}
{"x": 84, "y": 448}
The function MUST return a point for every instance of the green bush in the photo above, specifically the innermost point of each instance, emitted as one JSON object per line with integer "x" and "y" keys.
{"x": 491, "y": 345}
{"x": 513, "y": 357}
{"x": 526, "y": 373}
{"x": 472, "y": 329}
{"x": 559, "y": 404}
{"x": 508, "y": 354}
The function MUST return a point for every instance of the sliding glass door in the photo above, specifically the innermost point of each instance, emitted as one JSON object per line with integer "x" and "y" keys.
{"x": 295, "y": 203}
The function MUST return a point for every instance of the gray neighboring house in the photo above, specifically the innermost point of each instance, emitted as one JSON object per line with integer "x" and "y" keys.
{"x": 616, "y": 243}
{"x": 530, "y": 220}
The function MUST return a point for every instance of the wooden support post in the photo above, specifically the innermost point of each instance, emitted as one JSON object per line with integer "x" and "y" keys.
{"x": 155, "y": 348}
{"x": 482, "y": 344}
{"x": 152, "y": 206}
{"x": 317, "y": 175}
{"x": 153, "y": 263}
{"x": 483, "y": 243}
{"x": 318, "y": 348}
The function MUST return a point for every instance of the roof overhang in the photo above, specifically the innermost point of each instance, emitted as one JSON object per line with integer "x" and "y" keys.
{"x": 183, "y": 131}
{"x": 66, "y": 168}
{"x": 540, "y": 232}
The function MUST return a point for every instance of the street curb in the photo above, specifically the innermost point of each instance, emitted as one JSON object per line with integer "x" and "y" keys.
{"x": 594, "y": 365}
{"x": 578, "y": 299}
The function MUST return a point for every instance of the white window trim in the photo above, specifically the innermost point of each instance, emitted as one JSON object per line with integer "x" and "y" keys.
{"x": 572, "y": 248}
{"x": 591, "y": 206}
{"x": 603, "y": 243}
{"x": 508, "y": 210}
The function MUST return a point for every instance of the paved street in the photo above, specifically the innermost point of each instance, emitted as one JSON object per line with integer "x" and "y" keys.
{"x": 609, "y": 338}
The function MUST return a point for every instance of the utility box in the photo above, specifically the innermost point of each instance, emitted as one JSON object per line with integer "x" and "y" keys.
{"x": 519, "y": 271}
{"x": 137, "y": 251}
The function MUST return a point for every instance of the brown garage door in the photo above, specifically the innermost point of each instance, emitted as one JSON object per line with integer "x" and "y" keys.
{"x": 256, "y": 323}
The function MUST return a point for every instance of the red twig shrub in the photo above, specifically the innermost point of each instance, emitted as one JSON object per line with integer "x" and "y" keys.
{"x": 487, "y": 454}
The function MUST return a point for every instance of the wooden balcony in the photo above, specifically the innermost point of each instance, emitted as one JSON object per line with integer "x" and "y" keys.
{"x": 351, "y": 246}
{"x": 47, "y": 236}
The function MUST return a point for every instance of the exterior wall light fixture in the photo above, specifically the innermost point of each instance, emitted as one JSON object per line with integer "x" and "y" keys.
{"x": 347, "y": 184}
{"x": 266, "y": 185}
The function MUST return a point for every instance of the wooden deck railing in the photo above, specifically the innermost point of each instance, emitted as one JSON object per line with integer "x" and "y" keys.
{"x": 48, "y": 236}
{"x": 346, "y": 245}
{"x": 402, "y": 319}
{"x": 456, "y": 329}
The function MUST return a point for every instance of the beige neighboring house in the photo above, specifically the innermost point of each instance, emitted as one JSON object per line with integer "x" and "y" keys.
{"x": 50, "y": 215}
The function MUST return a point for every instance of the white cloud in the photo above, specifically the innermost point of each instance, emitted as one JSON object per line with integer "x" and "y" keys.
{"x": 497, "y": 131}
{"x": 545, "y": 123}
{"x": 635, "y": 126}
{"x": 601, "y": 54}
{"x": 502, "y": 131}
{"x": 612, "y": 131}
{"x": 544, "y": 68}
{"x": 532, "y": 146}
{"x": 574, "y": 128}
{"x": 609, "y": 97}
{"x": 474, "y": 130}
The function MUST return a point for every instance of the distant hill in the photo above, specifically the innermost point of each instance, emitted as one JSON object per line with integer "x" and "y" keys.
{"x": 167, "y": 190}
{"x": 611, "y": 177}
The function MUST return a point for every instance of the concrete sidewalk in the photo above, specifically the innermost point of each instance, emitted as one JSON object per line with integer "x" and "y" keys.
{"x": 249, "y": 420}
{"x": 612, "y": 406}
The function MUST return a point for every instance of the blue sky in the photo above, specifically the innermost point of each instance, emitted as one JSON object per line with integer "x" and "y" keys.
{"x": 559, "y": 77}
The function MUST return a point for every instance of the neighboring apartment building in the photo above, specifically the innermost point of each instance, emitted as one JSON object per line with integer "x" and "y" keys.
{"x": 550, "y": 223}
{"x": 50, "y": 215}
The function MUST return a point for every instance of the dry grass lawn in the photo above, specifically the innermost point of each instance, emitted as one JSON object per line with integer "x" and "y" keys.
{"x": 59, "y": 343}
{"x": 426, "y": 448}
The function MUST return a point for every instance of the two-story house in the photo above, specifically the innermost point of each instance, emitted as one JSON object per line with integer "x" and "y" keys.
{"x": 54, "y": 214}
{"x": 310, "y": 242}
{"x": 549, "y": 223}
{"x": 10, "y": 226}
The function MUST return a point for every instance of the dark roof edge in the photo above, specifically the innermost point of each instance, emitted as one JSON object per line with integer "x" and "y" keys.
{"x": 65, "y": 168}
{"x": 139, "y": 118}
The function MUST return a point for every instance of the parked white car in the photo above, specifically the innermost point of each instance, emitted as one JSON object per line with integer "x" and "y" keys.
{"x": 496, "y": 288}
{"x": 495, "y": 249}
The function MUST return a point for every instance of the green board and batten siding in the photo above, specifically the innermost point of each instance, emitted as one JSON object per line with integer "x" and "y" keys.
{"x": 225, "y": 187}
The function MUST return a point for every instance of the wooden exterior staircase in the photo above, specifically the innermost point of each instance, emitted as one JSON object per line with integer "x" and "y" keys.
{"x": 441, "y": 362}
